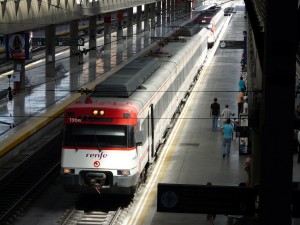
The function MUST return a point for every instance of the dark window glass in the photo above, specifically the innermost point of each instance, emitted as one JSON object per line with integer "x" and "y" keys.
{"x": 89, "y": 135}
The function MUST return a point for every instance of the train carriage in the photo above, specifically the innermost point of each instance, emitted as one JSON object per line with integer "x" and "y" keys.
{"x": 112, "y": 135}
{"x": 212, "y": 19}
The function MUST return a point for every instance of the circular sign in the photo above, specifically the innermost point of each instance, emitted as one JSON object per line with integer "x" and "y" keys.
{"x": 96, "y": 164}
{"x": 222, "y": 44}
{"x": 16, "y": 42}
{"x": 169, "y": 199}
{"x": 80, "y": 41}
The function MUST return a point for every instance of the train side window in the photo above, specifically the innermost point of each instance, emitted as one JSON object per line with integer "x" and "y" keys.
{"x": 139, "y": 137}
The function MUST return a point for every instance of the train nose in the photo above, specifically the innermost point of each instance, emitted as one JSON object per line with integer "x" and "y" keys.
{"x": 96, "y": 180}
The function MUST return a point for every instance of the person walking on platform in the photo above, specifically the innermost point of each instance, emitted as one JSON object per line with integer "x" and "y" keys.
{"x": 227, "y": 131}
{"x": 226, "y": 113}
{"x": 245, "y": 105}
{"x": 240, "y": 99}
{"x": 215, "y": 114}
{"x": 248, "y": 168}
{"x": 242, "y": 84}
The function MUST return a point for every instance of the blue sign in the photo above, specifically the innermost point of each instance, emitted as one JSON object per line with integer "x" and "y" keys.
{"x": 18, "y": 46}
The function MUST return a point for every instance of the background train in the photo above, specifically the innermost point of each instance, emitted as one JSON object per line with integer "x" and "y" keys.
{"x": 112, "y": 135}
{"x": 212, "y": 19}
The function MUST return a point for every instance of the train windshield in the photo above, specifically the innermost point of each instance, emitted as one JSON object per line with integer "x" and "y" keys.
{"x": 99, "y": 136}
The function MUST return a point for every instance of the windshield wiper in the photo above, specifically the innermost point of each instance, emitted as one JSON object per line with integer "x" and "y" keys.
{"x": 75, "y": 143}
{"x": 97, "y": 143}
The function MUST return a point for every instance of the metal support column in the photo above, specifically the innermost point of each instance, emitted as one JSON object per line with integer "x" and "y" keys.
{"x": 50, "y": 35}
{"x": 73, "y": 34}
{"x": 278, "y": 101}
{"x": 173, "y": 13}
{"x": 120, "y": 18}
{"x": 146, "y": 18}
{"x": 107, "y": 32}
{"x": 139, "y": 19}
{"x": 74, "y": 58}
{"x": 93, "y": 36}
{"x": 19, "y": 76}
{"x": 130, "y": 22}
{"x": 168, "y": 10}
{"x": 107, "y": 39}
{"x": 152, "y": 15}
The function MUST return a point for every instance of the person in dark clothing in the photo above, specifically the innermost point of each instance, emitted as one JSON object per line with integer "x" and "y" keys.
{"x": 10, "y": 94}
{"x": 215, "y": 114}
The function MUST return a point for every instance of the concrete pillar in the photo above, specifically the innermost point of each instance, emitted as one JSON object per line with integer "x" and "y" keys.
{"x": 163, "y": 10}
{"x": 92, "y": 46}
{"x": 75, "y": 70}
{"x": 73, "y": 49}
{"x": 107, "y": 32}
{"x": 177, "y": 7}
{"x": 158, "y": 13}
{"x": 107, "y": 41}
{"x": 93, "y": 36}
{"x": 139, "y": 19}
{"x": 130, "y": 48}
{"x": 168, "y": 10}
{"x": 146, "y": 18}
{"x": 152, "y": 15}
{"x": 120, "y": 18}
{"x": 73, "y": 34}
{"x": 278, "y": 102}
{"x": 92, "y": 68}
{"x": 130, "y": 22}
{"x": 173, "y": 13}
{"x": 19, "y": 72}
{"x": 120, "y": 38}
{"x": 50, "y": 35}
{"x": 187, "y": 6}
{"x": 50, "y": 94}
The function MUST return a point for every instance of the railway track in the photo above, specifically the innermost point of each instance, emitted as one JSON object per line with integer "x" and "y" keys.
{"x": 29, "y": 178}
{"x": 79, "y": 217}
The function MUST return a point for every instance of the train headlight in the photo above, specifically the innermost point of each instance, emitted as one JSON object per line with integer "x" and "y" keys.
{"x": 124, "y": 172}
{"x": 68, "y": 171}
{"x": 98, "y": 112}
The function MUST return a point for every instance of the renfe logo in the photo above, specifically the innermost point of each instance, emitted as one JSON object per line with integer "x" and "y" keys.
{"x": 96, "y": 156}
{"x": 96, "y": 164}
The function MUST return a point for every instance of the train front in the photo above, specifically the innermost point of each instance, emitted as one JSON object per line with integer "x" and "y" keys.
{"x": 99, "y": 149}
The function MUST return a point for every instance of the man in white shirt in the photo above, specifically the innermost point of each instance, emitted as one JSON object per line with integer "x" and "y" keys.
{"x": 245, "y": 106}
{"x": 226, "y": 113}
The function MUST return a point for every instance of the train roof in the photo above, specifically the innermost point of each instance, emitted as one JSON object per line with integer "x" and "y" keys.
{"x": 203, "y": 7}
{"x": 125, "y": 81}
{"x": 189, "y": 29}
{"x": 142, "y": 84}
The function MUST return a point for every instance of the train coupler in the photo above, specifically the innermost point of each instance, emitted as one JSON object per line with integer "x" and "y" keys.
{"x": 96, "y": 180}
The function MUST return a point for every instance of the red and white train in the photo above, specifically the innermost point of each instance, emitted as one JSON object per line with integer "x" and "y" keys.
{"x": 112, "y": 135}
{"x": 212, "y": 18}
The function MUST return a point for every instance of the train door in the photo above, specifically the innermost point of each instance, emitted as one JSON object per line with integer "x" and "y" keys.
{"x": 151, "y": 134}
